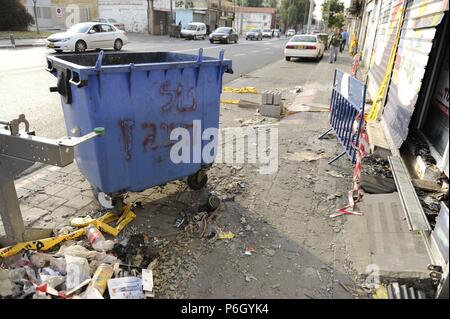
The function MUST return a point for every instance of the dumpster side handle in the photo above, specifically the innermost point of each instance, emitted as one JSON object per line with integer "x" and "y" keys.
{"x": 221, "y": 57}
{"x": 75, "y": 80}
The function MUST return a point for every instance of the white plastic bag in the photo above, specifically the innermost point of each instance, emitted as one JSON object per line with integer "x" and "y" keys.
{"x": 78, "y": 271}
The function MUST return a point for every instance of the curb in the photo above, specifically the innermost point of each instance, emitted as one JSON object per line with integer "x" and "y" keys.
{"x": 10, "y": 46}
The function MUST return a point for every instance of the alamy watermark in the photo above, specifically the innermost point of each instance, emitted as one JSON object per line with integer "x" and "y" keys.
{"x": 234, "y": 145}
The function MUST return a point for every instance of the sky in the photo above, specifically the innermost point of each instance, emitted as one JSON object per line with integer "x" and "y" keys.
{"x": 318, "y": 10}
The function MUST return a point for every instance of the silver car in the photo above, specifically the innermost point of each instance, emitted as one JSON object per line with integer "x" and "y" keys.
{"x": 254, "y": 34}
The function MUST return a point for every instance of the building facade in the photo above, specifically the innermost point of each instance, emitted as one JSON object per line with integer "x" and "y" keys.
{"x": 61, "y": 14}
{"x": 247, "y": 18}
{"x": 416, "y": 99}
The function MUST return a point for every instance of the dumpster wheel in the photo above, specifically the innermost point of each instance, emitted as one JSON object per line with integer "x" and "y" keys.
{"x": 113, "y": 203}
{"x": 198, "y": 180}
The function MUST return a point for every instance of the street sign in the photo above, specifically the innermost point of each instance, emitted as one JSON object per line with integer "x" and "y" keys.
{"x": 59, "y": 12}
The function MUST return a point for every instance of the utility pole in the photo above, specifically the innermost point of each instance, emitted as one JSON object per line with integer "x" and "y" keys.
{"x": 242, "y": 18}
{"x": 311, "y": 8}
{"x": 35, "y": 16}
{"x": 171, "y": 13}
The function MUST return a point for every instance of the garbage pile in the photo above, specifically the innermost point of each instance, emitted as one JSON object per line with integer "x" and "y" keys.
{"x": 201, "y": 223}
{"x": 90, "y": 268}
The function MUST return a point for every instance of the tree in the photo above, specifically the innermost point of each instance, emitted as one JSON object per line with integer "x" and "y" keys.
{"x": 272, "y": 3}
{"x": 333, "y": 13}
{"x": 14, "y": 16}
{"x": 254, "y": 3}
{"x": 294, "y": 12}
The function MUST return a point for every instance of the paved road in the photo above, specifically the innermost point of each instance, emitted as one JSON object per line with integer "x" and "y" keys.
{"x": 24, "y": 82}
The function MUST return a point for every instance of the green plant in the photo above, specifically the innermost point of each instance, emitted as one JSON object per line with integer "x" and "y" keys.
{"x": 333, "y": 13}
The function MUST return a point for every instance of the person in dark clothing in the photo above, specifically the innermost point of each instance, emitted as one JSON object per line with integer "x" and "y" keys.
{"x": 335, "y": 43}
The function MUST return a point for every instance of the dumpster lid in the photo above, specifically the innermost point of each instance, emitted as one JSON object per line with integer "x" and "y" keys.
{"x": 121, "y": 61}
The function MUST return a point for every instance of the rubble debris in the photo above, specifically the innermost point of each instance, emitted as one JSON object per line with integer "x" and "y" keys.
{"x": 125, "y": 288}
{"x": 249, "y": 250}
{"x": 68, "y": 233}
{"x": 297, "y": 89}
{"x": 375, "y": 166}
{"x": 223, "y": 101}
{"x": 41, "y": 260}
{"x": 306, "y": 156}
{"x": 92, "y": 293}
{"x": 427, "y": 186}
{"x": 212, "y": 204}
{"x": 47, "y": 289}
{"x": 147, "y": 283}
{"x": 78, "y": 271}
{"x": 421, "y": 148}
{"x": 97, "y": 240}
{"x": 380, "y": 293}
{"x": 276, "y": 286}
{"x": 248, "y": 104}
{"x": 249, "y": 278}
{"x": 81, "y": 221}
{"x": 252, "y": 122}
{"x": 78, "y": 287}
{"x": 80, "y": 251}
{"x": 245, "y": 89}
{"x": 335, "y": 174}
{"x": 6, "y": 288}
{"x": 100, "y": 279}
{"x": 225, "y": 235}
{"x": 333, "y": 196}
{"x": 137, "y": 251}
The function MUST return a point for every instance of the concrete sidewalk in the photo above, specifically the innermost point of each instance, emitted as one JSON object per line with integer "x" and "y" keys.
{"x": 299, "y": 252}
{"x": 6, "y": 44}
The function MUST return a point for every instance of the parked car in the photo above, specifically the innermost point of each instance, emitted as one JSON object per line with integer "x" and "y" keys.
{"x": 290, "y": 33}
{"x": 266, "y": 33}
{"x": 194, "y": 30}
{"x": 114, "y": 22}
{"x": 254, "y": 34}
{"x": 304, "y": 46}
{"x": 324, "y": 38}
{"x": 88, "y": 35}
{"x": 224, "y": 35}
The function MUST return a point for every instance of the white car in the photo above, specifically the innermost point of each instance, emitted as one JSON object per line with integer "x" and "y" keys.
{"x": 290, "y": 32}
{"x": 194, "y": 30}
{"x": 88, "y": 35}
{"x": 267, "y": 33}
{"x": 304, "y": 46}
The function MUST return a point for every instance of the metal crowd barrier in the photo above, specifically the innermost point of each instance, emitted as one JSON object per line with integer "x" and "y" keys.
{"x": 346, "y": 107}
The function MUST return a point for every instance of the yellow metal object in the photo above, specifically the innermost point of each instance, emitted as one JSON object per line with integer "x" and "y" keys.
{"x": 380, "y": 293}
{"x": 376, "y": 106}
{"x": 41, "y": 245}
{"x": 245, "y": 89}
{"x": 48, "y": 243}
{"x": 229, "y": 101}
{"x": 225, "y": 235}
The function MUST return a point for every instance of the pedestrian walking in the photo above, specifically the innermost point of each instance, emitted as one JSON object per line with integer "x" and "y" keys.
{"x": 335, "y": 43}
{"x": 345, "y": 37}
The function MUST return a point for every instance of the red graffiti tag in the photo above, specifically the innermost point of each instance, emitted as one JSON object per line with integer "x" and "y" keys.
{"x": 126, "y": 126}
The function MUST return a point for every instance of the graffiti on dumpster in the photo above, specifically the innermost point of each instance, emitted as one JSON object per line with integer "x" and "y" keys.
{"x": 164, "y": 130}
{"x": 180, "y": 98}
{"x": 126, "y": 127}
{"x": 150, "y": 137}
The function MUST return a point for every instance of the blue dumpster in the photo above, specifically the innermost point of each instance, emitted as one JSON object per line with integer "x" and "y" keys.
{"x": 139, "y": 98}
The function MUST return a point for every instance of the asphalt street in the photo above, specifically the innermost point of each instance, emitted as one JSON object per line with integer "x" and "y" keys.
{"x": 24, "y": 83}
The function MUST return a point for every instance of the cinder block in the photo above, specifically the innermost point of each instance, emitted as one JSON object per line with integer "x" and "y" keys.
{"x": 277, "y": 98}
{"x": 270, "y": 110}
